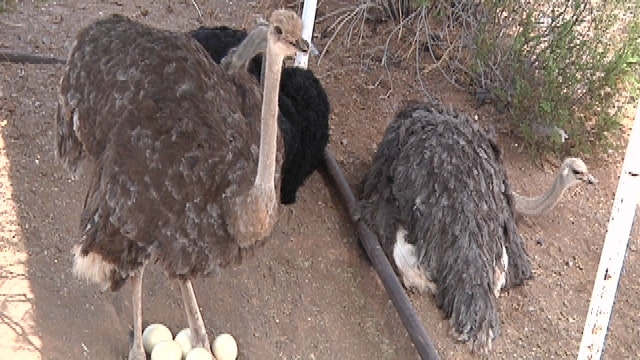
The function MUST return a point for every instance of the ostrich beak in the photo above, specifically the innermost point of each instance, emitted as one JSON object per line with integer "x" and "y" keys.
{"x": 302, "y": 45}
{"x": 590, "y": 179}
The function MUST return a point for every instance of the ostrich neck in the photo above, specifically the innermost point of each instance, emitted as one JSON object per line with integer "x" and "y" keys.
{"x": 541, "y": 204}
{"x": 254, "y": 44}
{"x": 269, "y": 124}
{"x": 260, "y": 203}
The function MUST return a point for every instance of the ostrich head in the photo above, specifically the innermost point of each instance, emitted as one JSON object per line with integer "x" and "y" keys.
{"x": 574, "y": 171}
{"x": 282, "y": 36}
{"x": 284, "y": 33}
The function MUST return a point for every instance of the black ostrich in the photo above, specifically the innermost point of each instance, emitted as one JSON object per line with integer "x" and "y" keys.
{"x": 303, "y": 104}
{"x": 438, "y": 198}
{"x": 183, "y": 157}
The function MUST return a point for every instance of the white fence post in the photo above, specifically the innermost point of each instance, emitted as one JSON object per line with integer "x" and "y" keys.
{"x": 613, "y": 250}
{"x": 308, "y": 20}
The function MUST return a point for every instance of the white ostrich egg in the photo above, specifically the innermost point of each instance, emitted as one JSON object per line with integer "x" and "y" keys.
{"x": 153, "y": 334}
{"x": 184, "y": 339}
{"x": 225, "y": 347}
{"x": 199, "y": 354}
{"x": 167, "y": 350}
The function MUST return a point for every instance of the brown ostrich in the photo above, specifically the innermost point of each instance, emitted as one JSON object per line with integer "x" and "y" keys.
{"x": 184, "y": 165}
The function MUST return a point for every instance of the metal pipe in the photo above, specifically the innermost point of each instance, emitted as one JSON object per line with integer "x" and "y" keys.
{"x": 396, "y": 292}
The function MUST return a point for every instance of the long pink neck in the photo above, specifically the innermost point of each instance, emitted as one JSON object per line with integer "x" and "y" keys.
{"x": 269, "y": 124}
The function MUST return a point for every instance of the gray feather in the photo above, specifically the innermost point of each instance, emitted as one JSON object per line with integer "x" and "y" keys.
{"x": 439, "y": 176}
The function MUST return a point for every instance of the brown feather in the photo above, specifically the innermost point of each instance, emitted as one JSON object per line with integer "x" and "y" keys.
{"x": 170, "y": 138}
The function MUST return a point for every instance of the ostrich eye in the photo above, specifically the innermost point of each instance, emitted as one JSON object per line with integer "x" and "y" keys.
{"x": 576, "y": 172}
{"x": 278, "y": 30}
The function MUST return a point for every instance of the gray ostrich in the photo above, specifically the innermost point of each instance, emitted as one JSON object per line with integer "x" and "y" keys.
{"x": 438, "y": 198}
{"x": 184, "y": 165}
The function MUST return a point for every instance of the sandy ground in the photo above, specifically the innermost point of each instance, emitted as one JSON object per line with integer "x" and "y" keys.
{"x": 309, "y": 293}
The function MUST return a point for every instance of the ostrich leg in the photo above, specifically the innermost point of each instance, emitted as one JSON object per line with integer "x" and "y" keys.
{"x": 137, "y": 350}
{"x": 199, "y": 336}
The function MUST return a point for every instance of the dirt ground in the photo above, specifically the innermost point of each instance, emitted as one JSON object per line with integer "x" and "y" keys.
{"x": 309, "y": 293}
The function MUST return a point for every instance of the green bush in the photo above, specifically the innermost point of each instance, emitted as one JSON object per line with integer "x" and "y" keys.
{"x": 6, "y": 5}
{"x": 574, "y": 66}
{"x": 550, "y": 64}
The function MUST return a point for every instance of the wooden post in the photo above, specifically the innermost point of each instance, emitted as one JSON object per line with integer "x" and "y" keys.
{"x": 613, "y": 250}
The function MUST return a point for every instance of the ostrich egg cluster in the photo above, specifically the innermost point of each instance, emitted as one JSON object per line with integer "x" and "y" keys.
{"x": 158, "y": 341}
